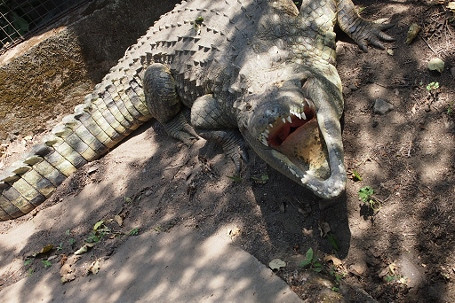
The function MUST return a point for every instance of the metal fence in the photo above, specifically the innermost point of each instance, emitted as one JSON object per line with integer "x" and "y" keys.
{"x": 21, "y": 18}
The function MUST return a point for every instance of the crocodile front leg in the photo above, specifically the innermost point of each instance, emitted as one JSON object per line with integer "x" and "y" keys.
{"x": 164, "y": 104}
{"x": 212, "y": 123}
{"x": 362, "y": 31}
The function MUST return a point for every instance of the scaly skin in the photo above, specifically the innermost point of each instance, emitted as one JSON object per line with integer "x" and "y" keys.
{"x": 257, "y": 69}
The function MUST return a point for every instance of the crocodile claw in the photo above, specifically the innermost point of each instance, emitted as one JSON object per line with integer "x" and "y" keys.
{"x": 232, "y": 144}
{"x": 180, "y": 129}
{"x": 369, "y": 33}
{"x": 362, "y": 31}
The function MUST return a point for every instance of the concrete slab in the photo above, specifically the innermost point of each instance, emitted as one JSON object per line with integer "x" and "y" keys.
{"x": 178, "y": 266}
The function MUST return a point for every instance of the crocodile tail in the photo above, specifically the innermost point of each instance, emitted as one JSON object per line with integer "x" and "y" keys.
{"x": 109, "y": 114}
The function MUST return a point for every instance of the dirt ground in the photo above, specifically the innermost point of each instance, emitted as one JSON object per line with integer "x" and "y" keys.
{"x": 398, "y": 246}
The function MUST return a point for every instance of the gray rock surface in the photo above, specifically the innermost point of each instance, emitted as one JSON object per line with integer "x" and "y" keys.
{"x": 381, "y": 106}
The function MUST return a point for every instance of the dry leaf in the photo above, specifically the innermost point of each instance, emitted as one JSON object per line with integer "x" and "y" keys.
{"x": 94, "y": 267}
{"x": 324, "y": 229}
{"x": 84, "y": 248}
{"x": 436, "y": 64}
{"x": 414, "y": 29}
{"x": 119, "y": 220}
{"x": 66, "y": 271}
{"x": 52, "y": 258}
{"x": 44, "y": 250}
{"x": 63, "y": 259}
{"x": 276, "y": 264}
{"x": 337, "y": 262}
{"x": 233, "y": 233}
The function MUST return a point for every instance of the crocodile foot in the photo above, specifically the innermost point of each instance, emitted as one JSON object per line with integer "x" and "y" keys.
{"x": 363, "y": 32}
{"x": 180, "y": 129}
{"x": 232, "y": 144}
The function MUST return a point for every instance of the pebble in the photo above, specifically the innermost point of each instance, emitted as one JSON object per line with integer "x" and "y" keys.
{"x": 352, "y": 87}
{"x": 381, "y": 106}
{"x": 415, "y": 275}
{"x": 358, "y": 268}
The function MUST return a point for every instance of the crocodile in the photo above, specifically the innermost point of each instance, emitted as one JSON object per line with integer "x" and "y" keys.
{"x": 260, "y": 72}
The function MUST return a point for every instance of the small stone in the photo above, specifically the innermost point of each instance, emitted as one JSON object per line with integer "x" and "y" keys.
{"x": 436, "y": 64}
{"x": 381, "y": 106}
{"x": 414, "y": 274}
{"x": 452, "y": 71}
{"x": 358, "y": 268}
{"x": 414, "y": 29}
{"x": 352, "y": 86}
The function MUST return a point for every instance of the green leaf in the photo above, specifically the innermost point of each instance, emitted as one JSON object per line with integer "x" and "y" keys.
{"x": 46, "y": 263}
{"x": 365, "y": 193}
{"x": 432, "y": 86}
{"x": 27, "y": 262}
{"x": 98, "y": 225}
{"x": 317, "y": 267}
{"x": 134, "y": 232}
{"x": 60, "y": 246}
{"x": 305, "y": 263}
{"x": 356, "y": 176}
{"x": 309, "y": 254}
{"x": 308, "y": 257}
{"x": 235, "y": 178}
{"x": 389, "y": 278}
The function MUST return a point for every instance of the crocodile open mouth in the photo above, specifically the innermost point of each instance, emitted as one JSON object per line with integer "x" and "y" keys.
{"x": 298, "y": 138}
{"x": 281, "y": 130}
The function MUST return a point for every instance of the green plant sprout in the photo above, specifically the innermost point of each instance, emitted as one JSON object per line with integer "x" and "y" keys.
{"x": 311, "y": 261}
{"x": 366, "y": 196}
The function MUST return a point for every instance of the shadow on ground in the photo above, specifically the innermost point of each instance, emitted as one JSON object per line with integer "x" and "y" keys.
{"x": 160, "y": 188}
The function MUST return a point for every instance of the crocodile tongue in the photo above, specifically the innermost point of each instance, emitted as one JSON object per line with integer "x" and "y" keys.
{"x": 303, "y": 146}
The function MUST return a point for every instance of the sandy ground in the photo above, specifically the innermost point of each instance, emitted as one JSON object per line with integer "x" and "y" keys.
{"x": 397, "y": 248}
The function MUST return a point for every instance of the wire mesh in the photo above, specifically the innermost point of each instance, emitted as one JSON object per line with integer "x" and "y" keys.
{"x": 21, "y": 18}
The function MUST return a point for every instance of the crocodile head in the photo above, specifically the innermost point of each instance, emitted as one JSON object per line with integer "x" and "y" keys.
{"x": 295, "y": 128}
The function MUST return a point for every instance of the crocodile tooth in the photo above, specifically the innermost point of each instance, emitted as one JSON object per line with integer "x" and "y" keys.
{"x": 298, "y": 115}
{"x": 289, "y": 119}
{"x": 267, "y": 131}
{"x": 283, "y": 119}
{"x": 303, "y": 116}
{"x": 270, "y": 125}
